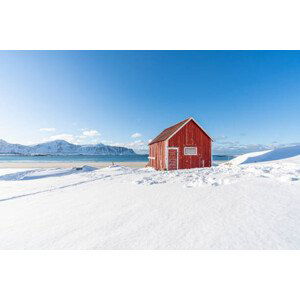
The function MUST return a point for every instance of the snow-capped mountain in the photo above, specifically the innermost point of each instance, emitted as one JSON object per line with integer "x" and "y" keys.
{"x": 60, "y": 147}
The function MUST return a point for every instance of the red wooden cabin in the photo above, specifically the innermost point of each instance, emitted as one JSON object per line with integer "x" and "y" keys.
{"x": 184, "y": 145}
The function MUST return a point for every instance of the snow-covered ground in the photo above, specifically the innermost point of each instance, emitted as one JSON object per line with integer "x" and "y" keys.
{"x": 237, "y": 205}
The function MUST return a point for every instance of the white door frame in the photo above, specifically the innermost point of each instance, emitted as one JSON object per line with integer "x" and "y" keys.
{"x": 167, "y": 156}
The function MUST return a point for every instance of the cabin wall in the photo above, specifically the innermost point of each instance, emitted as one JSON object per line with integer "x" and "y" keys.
{"x": 158, "y": 152}
{"x": 192, "y": 136}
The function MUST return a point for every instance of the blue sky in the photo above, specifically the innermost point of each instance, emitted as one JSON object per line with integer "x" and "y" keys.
{"x": 246, "y": 100}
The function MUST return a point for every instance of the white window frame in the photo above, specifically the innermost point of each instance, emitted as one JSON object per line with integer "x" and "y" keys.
{"x": 190, "y": 148}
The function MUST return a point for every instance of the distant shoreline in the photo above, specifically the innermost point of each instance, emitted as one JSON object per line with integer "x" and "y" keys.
{"x": 44, "y": 161}
{"x": 68, "y": 154}
{"x": 58, "y": 164}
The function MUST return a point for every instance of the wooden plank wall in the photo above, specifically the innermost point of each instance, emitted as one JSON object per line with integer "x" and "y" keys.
{"x": 192, "y": 136}
{"x": 157, "y": 151}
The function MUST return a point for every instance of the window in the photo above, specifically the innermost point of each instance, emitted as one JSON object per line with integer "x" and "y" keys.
{"x": 190, "y": 150}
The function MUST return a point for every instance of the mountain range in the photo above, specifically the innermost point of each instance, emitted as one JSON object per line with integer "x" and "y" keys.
{"x": 61, "y": 147}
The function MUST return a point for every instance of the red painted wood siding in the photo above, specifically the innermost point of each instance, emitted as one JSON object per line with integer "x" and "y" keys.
{"x": 158, "y": 152}
{"x": 191, "y": 135}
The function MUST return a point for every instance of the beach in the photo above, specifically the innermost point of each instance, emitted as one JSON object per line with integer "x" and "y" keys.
{"x": 76, "y": 161}
{"x": 58, "y": 164}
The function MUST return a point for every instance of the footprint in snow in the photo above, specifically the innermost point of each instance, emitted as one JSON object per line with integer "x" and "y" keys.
{"x": 148, "y": 181}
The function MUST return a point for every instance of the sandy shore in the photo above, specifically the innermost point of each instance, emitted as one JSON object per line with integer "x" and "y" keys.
{"x": 24, "y": 165}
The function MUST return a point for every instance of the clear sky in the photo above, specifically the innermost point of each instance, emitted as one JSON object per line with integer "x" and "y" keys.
{"x": 246, "y": 100}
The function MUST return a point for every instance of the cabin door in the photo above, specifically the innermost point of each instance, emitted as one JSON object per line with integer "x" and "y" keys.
{"x": 172, "y": 159}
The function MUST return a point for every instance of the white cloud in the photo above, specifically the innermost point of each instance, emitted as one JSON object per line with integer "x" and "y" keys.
{"x": 51, "y": 129}
{"x": 87, "y": 137}
{"x": 107, "y": 142}
{"x": 83, "y": 139}
{"x": 220, "y": 138}
{"x": 136, "y": 135}
{"x": 64, "y": 136}
{"x": 91, "y": 133}
{"x": 235, "y": 148}
{"x": 138, "y": 146}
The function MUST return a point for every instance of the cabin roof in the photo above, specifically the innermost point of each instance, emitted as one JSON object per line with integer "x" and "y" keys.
{"x": 168, "y": 132}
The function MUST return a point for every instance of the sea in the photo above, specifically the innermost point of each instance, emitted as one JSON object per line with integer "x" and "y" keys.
{"x": 217, "y": 159}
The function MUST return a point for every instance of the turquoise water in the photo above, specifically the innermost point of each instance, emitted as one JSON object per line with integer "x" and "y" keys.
{"x": 73, "y": 158}
{"x": 88, "y": 158}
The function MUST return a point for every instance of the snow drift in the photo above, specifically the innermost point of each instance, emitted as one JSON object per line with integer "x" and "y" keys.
{"x": 231, "y": 206}
{"x": 44, "y": 173}
{"x": 291, "y": 153}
